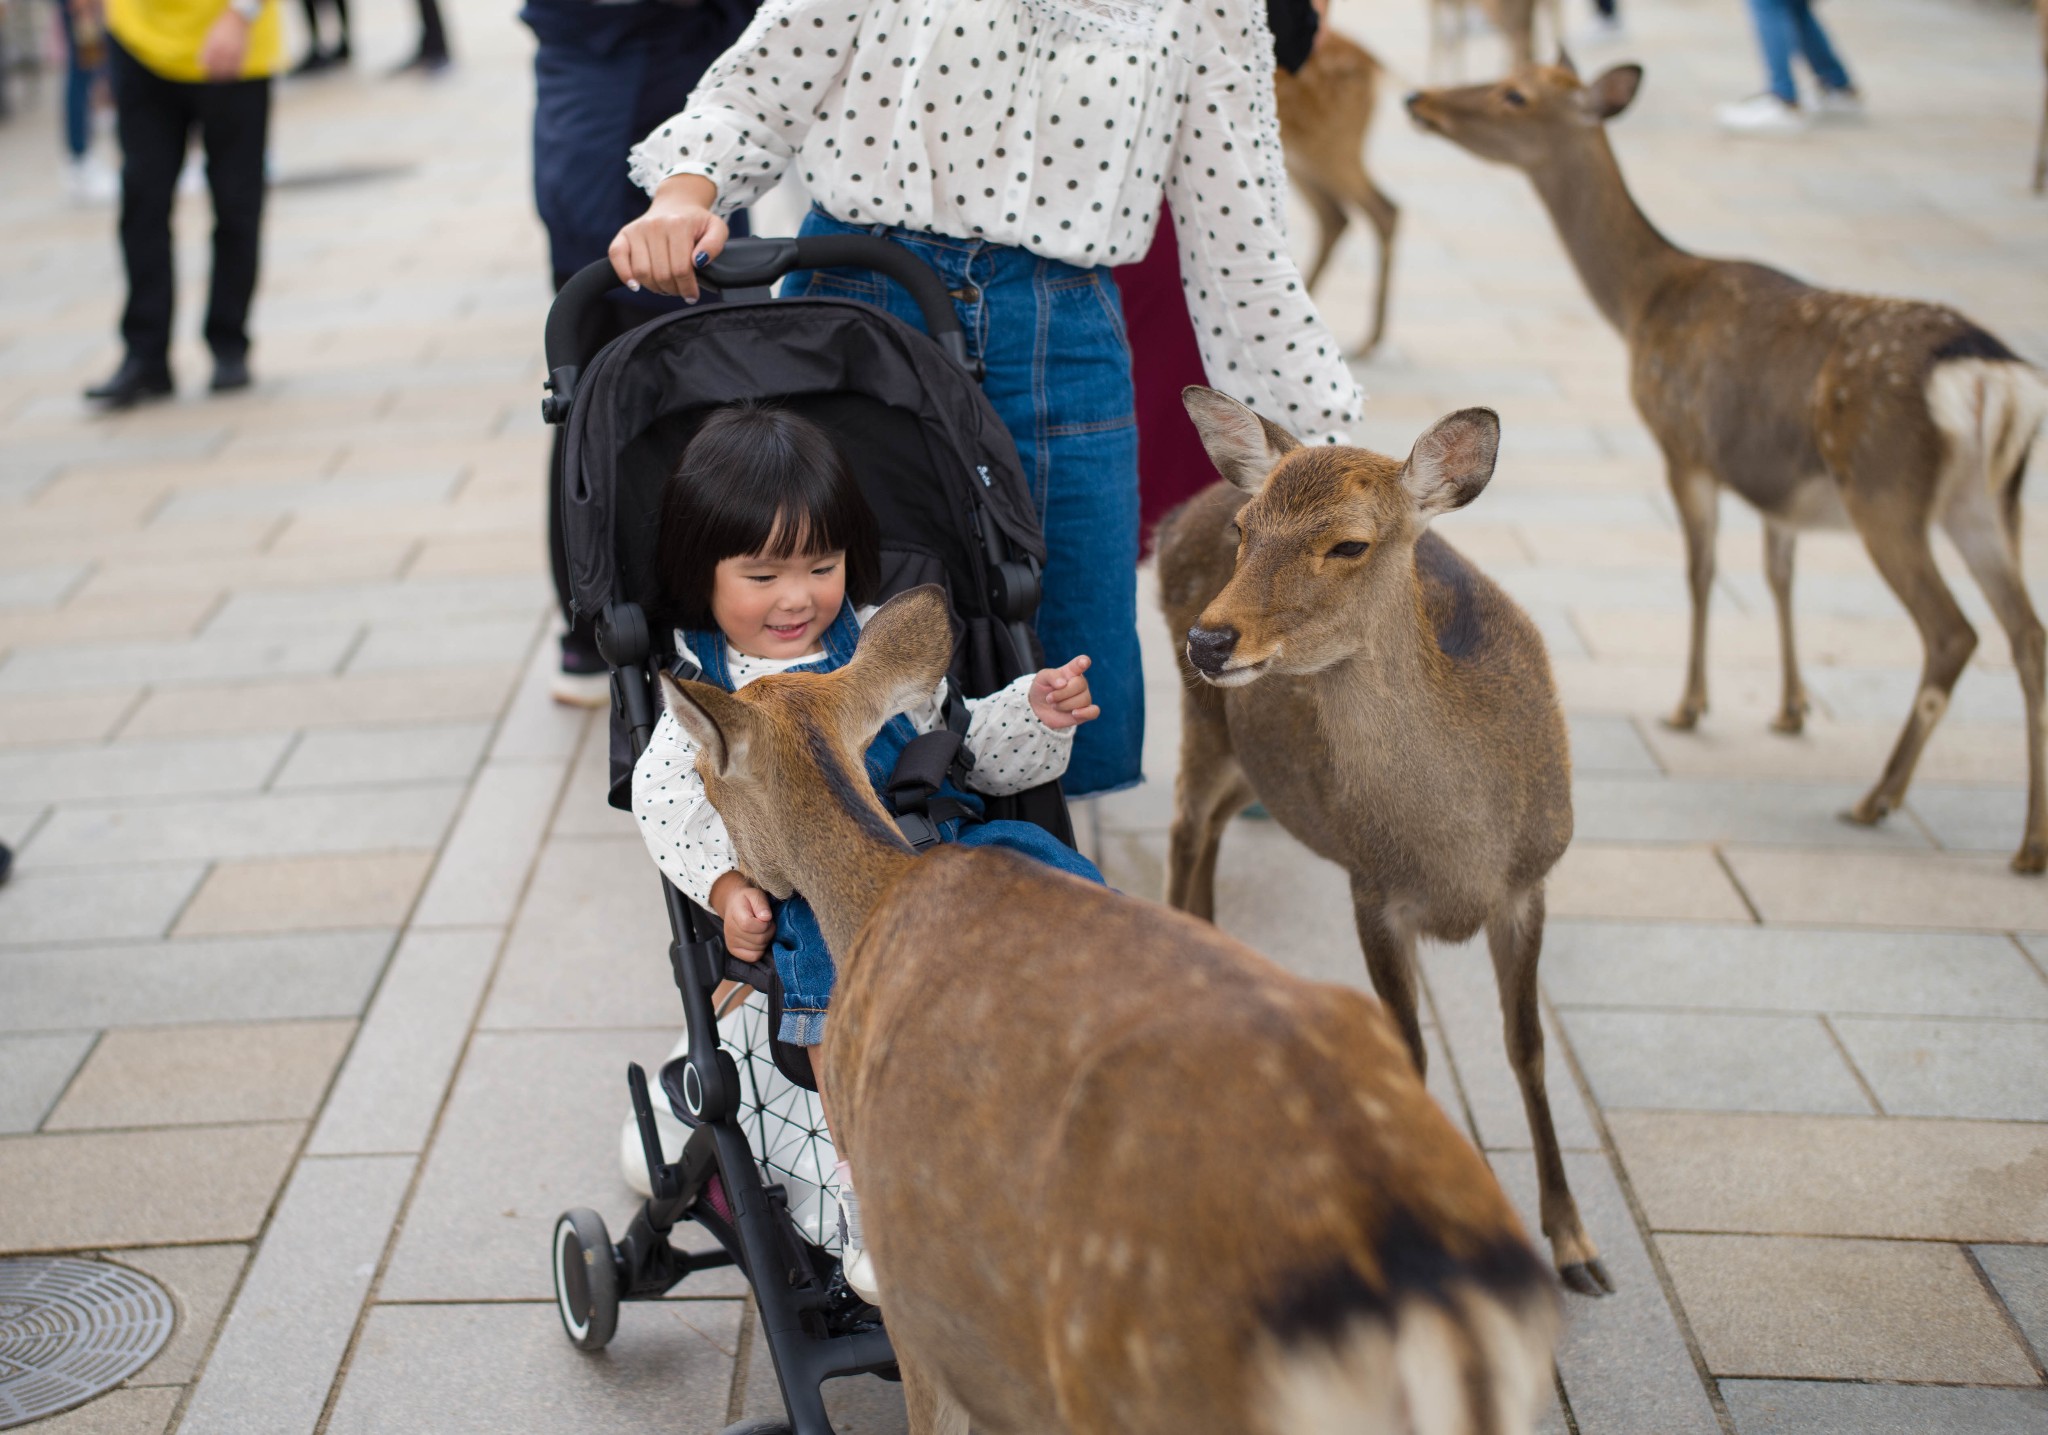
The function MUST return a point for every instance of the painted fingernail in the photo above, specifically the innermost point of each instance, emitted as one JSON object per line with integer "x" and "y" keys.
{"x": 634, "y": 285}
{"x": 689, "y": 298}
{"x": 702, "y": 259}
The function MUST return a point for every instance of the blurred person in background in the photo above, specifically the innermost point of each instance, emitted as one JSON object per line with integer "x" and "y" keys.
{"x": 605, "y": 73}
{"x": 432, "y": 57}
{"x": 90, "y": 181}
{"x": 320, "y": 57}
{"x": 179, "y": 66}
{"x": 1785, "y": 27}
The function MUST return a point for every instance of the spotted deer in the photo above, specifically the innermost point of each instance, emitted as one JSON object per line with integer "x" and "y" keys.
{"x": 1326, "y": 111}
{"x": 1389, "y": 705}
{"x": 1118, "y": 1172}
{"x": 1819, "y": 408}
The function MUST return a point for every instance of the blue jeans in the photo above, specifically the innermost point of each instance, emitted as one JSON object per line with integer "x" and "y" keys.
{"x": 77, "y": 89}
{"x": 1785, "y": 25}
{"x": 1059, "y": 374}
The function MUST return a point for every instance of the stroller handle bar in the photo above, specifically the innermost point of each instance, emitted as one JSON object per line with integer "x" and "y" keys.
{"x": 751, "y": 263}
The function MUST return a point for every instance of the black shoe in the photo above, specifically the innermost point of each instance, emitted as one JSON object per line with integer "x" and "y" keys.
{"x": 6, "y": 862}
{"x": 316, "y": 60}
{"x": 426, "y": 62}
{"x": 230, "y": 373}
{"x": 133, "y": 383}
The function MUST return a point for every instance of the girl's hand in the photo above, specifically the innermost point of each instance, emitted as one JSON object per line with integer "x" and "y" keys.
{"x": 1060, "y": 696}
{"x": 749, "y": 920}
{"x": 664, "y": 248}
{"x": 225, "y": 45}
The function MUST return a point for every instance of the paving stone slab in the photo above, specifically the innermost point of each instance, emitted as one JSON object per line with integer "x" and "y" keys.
{"x": 1607, "y": 809}
{"x": 271, "y": 825}
{"x": 144, "y": 769}
{"x": 192, "y": 1184}
{"x": 531, "y": 1129}
{"x": 1837, "y": 1175}
{"x": 294, "y": 1316}
{"x": 203, "y": 1075}
{"x": 1685, "y": 884}
{"x": 1607, "y": 743}
{"x": 63, "y": 717}
{"x": 200, "y": 1279}
{"x": 377, "y": 757}
{"x": 1980, "y": 818}
{"x": 425, "y": 604}
{"x": 1878, "y": 695}
{"x": 391, "y": 1088}
{"x": 484, "y": 865}
{"x": 2020, "y": 1276}
{"x": 118, "y": 1412}
{"x": 1992, "y": 1070}
{"x": 1696, "y": 1061}
{"x": 1733, "y": 968}
{"x": 1842, "y": 1310}
{"x": 1783, "y": 1407}
{"x": 1623, "y": 1357}
{"x": 284, "y": 894}
{"x": 42, "y": 587}
{"x": 1847, "y": 889}
{"x": 201, "y": 505}
{"x": 487, "y": 1369}
{"x": 231, "y": 979}
{"x": 104, "y": 904}
{"x": 72, "y": 666}
{"x": 385, "y": 648}
{"x": 451, "y": 695}
{"x": 34, "y": 1070}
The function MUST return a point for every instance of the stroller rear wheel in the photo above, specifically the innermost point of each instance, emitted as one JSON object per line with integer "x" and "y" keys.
{"x": 586, "y": 1279}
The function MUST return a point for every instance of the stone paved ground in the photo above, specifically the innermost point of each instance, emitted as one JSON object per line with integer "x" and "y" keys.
{"x": 322, "y": 957}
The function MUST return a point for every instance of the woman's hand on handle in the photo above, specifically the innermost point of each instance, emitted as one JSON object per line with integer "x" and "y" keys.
{"x": 663, "y": 249}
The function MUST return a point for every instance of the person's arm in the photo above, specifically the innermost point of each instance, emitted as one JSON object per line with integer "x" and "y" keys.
{"x": 683, "y": 832}
{"x": 1013, "y": 750}
{"x": 1261, "y": 338}
{"x": 745, "y": 121}
{"x": 226, "y": 44}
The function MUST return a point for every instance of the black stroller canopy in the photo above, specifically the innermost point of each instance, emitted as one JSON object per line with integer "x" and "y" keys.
{"x": 922, "y": 440}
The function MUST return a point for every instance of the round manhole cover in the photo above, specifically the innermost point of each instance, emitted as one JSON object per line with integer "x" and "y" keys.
{"x": 71, "y": 1329}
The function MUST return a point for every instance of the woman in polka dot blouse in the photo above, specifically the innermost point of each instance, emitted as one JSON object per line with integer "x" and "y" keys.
{"x": 1019, "y": 146}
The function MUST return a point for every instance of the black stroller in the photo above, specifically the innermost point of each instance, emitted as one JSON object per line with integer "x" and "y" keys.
{"x": 949, "y": 495}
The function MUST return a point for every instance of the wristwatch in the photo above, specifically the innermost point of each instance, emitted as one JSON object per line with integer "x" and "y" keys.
{"x": 247, "y": 9}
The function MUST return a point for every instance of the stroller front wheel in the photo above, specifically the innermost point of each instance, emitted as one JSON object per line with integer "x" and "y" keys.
{"x": 586, "y": 1279}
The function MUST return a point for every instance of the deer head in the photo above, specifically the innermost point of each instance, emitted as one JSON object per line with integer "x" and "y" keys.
{"x": 1520, "y": 120}
{"x": 1326, "y": 544}
{"x": 781, "y": 758}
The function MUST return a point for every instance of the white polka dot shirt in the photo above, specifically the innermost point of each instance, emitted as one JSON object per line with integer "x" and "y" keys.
{"x": 1052, "y": 125}
{"x": 1012, "y": 750}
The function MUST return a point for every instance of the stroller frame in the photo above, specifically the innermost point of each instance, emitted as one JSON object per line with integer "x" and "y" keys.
{"x": 816, "y": 1328}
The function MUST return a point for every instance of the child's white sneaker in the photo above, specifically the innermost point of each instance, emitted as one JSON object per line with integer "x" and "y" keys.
{"x": 1763, "y": 114}
{"x": 854, "y": 1261}
{"x": 633, "y": 1155}
{"x": 89, "y": 181}
{"x": 859, "y": 1268}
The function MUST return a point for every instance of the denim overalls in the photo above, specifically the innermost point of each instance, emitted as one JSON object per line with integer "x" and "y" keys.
{"x": 801, "y": 961}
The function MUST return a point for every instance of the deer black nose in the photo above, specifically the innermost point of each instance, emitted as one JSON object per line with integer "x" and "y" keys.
{"x": 1209, "y": 649}
{"x": 1414, "y": 99}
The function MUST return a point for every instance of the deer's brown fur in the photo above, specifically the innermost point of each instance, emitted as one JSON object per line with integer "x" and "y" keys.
{"x": 1326, "y": 112}
{"x": 1819, "y": 408}
{"x": 1389, "y": 705}
{"x": 1118, "y": 1172}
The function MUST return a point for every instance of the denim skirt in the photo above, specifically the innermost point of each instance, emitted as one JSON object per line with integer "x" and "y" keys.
{"x": 1051, "y": 337}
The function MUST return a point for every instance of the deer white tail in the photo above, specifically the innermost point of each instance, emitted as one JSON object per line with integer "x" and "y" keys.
{"x": 1989, "y": 409}
{"x": 1469, "y": 1358}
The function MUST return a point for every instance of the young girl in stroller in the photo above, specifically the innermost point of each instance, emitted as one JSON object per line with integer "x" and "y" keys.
{"x": 770, "y": 562}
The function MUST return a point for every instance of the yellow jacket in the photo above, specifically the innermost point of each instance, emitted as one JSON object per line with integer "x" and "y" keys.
{"x": 165, "y": 35}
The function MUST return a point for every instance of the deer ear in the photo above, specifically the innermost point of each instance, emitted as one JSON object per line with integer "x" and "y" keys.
{"x": 905, "y": 648}
{"x": 1243, "y": 446}
{"x": 715, "y": 720}
{"x": 1611, "y": 92}
{"x": 1451, "y": 464}
{"x": 1564, "y": 61}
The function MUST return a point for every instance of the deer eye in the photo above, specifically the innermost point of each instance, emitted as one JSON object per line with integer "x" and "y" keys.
{"x": 1514, "y": 97}
{"x": 1348, "y": 550}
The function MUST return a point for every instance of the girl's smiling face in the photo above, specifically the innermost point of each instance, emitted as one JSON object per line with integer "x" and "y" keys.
{"x": 778, "y": 607}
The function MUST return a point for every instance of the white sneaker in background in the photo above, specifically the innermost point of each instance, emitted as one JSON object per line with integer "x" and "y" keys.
{"x": 89, "y": 181}
{"x": 1763, "y": 114}
{"x": 1839, "y": 106}
{"x": 192, "y": 178}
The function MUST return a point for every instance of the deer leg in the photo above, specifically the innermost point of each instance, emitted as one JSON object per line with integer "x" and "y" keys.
{"x": 1330, "y": 222}
{"x": 1792, "y": 707}
{"x": 1699, "y": 511}
{"x": 1515, "y": 937}
{"x": 2041, "y": 151}
{"x": 1390, "y": 959}
{"x": 1209, "y": 791}
{"x": 1906, "y": 562}
{"x": 1991, "y": 549}
{"x": 1384, "y": 215}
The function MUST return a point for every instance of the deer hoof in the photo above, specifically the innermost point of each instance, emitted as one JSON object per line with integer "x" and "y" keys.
{"x": 2031, "y": 860}
{"x": 1684, "y": 719}
{"x": 1868, "y": 813}
{"x": 1588, "y": 1278}
{"x": 1791, "y": 722}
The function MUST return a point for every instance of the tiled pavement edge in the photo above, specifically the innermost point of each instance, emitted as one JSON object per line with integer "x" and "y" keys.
{"x": 322, "y": 938}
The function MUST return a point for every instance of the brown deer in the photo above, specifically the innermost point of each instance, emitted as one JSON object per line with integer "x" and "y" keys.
{"x": 1326, "y": 111}
{"x": 1389, "y": 705}
{"x": 1820, "y": 408}
{"x": 1118, "y": 1172}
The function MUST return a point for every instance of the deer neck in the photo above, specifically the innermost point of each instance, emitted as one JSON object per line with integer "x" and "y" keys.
{"x": 1621, "y": 258}
{"x": 1398, "y": 666}
{"x": 852, "y": 853}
